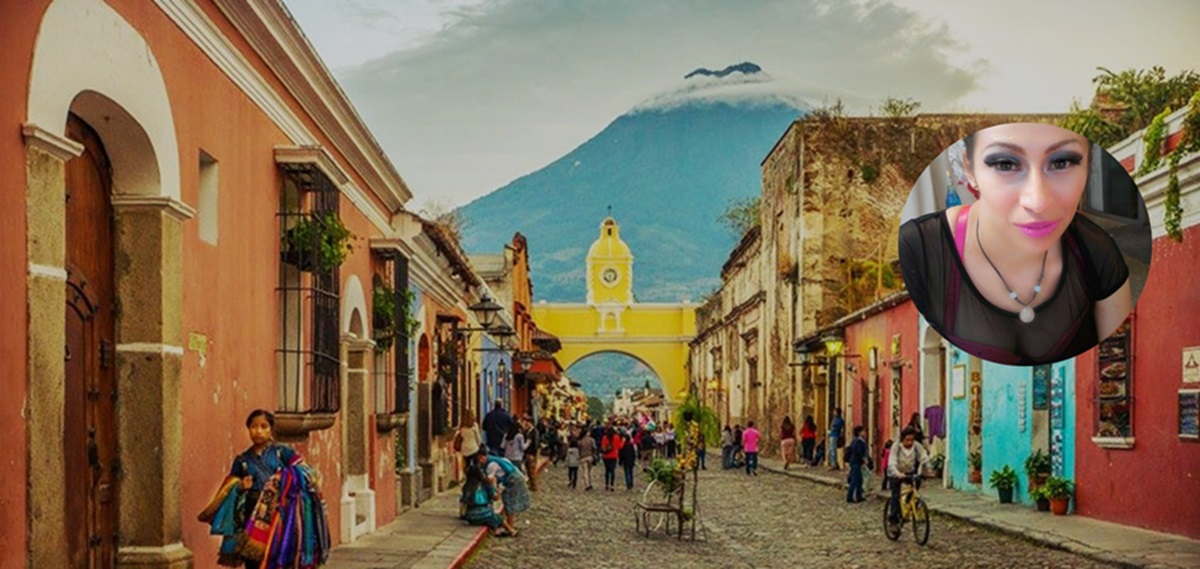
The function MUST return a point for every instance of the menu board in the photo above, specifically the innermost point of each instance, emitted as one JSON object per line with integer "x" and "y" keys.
{"x": 1189, "y": 413}
{"x": 1114, "y": 365}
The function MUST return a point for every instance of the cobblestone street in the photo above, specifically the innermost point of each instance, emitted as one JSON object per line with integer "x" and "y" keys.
{"x": 764, "y": 521}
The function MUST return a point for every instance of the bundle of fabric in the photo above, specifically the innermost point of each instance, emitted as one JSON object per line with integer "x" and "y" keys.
{"x": 221, "y": 514}
{"x": 297, "y": 535}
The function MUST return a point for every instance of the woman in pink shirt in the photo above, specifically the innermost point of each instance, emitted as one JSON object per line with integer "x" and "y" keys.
{"x": 750, "y": 446}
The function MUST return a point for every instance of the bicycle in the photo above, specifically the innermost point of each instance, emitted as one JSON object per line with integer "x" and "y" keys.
{"x": 912, "y": 509}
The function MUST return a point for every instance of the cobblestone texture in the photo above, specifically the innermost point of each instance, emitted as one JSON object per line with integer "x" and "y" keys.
{"x": 763, "y": 521}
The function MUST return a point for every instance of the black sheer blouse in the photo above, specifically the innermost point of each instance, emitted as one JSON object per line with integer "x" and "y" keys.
{"x": 1065, "y": 325}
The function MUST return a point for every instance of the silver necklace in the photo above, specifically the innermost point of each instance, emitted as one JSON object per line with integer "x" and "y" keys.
{"x": 1027, "y": 314}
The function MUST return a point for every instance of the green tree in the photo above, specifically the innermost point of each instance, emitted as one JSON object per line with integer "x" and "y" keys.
{"x": 595, "y": 407}
{"x": 1128, "y": 101}
{"x": 741, "y": 215}
{"x": 895, "y": 108}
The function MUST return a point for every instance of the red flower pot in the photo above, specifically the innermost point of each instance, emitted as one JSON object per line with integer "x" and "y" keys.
{"x": 1058, "y": 506}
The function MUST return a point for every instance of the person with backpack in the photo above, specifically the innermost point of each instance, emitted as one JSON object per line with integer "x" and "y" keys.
{"x": 627, "y": 456}
{"x": 857, "y": 456}
{"x": 610, "y": 448}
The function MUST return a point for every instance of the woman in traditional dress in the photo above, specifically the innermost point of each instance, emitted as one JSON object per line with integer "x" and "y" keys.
{"x": 478, "y": 493}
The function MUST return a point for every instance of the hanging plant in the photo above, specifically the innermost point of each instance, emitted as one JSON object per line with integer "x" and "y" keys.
{"x": 1173, "y": 214}
{"x": 1153, "y": 138}
{"x": 323, "y": 240}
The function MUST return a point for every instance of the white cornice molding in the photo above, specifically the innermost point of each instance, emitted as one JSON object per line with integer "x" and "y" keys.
{"x": 315, "y": 155}
{"x": 194, "y": 23}
{"x": 56, "y": 145}
{"x": 276, "y": 37}
{"x": 169, "y": 205}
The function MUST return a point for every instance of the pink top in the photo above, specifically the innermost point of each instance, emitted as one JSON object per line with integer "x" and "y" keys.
{"x": 960, "y": 232}
{"x": 750, "y": 440}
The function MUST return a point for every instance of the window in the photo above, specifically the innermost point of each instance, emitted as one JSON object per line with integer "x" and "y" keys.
{"x": 206, "y": 212}
{"x": 310, "y": 366}
{"x": 1114, "y": 395}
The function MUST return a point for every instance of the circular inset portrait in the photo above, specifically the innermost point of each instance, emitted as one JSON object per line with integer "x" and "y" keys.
{"x": 1025, "y": 244}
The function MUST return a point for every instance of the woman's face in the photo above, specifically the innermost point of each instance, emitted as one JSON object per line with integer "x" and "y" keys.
{"x": 260, "y": 431}
{"x": 1030, "y": 179}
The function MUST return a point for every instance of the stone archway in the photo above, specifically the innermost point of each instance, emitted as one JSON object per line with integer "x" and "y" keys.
{"x": 577, "y": 367}
{"x": 132, "y": 117}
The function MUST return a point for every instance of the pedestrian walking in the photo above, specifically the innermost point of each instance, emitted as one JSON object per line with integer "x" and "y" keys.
{"x": 914, "y": 423}
{"x": 587, "y": 458}
{"x": 836, "y": 429}
{"x": 883, "y": 460}
{"x": 808, "y": 440}
{"x": 701, "y": 449}
{"x": 750, "y": 443}
{"x": 469, "y": 440}
{"x": 515, "y": 445}
{"x": 496, "y": 425}
{"x": 628, "y": 458}
{"x": 737, "y": 446}
{"x": 727, "y": 448}
{"x": 857, "y": 455}
{"x": 787, "y": 441}
{"x": 573, "y": 462}
{"x": 669, "y": 436}
{"x": 610, "y": 448}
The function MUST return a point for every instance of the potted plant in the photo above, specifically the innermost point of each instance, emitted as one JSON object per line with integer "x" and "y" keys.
{"x": 1038, "y": 467}
{"x": 936, "y": 464}
{"x": 317, "y": 243}
{"x": 1058, "y": 491}
{"x": 383, "y": 314}
{"x": 976, "y": 460}
{"x": 1039, "y": 496}
{"x": 1004, "y": 480}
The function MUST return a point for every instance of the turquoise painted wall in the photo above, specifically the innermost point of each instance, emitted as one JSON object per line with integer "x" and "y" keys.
{"x": 1005, "y": 441}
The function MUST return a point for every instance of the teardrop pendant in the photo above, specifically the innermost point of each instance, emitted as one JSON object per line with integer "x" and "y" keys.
{"x": 1026, "y": 315}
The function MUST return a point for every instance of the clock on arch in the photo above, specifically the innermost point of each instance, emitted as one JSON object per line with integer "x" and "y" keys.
{"x": 610, "y": 276}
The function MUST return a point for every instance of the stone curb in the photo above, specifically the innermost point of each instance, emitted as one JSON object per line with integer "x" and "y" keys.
{"x": 1039, "y": 537}
{"x": 471, "y": 547}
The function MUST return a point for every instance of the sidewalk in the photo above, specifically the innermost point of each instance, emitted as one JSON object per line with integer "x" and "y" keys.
{"x": 427, "y": 537}
{"x": 1100, "y": 540}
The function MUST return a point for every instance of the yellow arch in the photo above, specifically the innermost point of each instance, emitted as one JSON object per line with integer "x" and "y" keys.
{"x": 656, "y": 334}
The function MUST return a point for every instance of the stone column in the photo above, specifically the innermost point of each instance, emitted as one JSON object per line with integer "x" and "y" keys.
{"x": 148, "y": 239}
{"x": 45, "y": 216}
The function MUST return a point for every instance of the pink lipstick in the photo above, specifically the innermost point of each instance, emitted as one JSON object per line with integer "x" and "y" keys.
{"x": 1038, "y": 229}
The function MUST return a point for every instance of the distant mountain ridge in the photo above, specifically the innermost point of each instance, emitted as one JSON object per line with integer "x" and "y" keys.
{"x": 744, "y": 67}
{"x": 668, "y": 170}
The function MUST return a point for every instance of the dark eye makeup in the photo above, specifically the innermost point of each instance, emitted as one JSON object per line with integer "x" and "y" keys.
{"x": 1063, "y": 160}
{"x": 1002, "y": 162}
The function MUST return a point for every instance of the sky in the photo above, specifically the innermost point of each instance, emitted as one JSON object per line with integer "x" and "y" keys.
{"x": 467, "y": 95}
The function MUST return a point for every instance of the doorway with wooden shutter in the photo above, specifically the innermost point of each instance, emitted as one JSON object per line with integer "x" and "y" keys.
{"x": 90, "y": 424}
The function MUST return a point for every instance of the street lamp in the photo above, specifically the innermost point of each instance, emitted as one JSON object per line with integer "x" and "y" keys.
{"x": 833, "y": 344}
{"x": 486, "y": 310}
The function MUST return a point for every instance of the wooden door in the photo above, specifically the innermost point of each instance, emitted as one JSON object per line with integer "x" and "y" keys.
{"x": 90, "y": 441}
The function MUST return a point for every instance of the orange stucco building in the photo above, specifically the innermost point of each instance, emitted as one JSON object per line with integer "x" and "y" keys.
{"x": 158, "y": 158}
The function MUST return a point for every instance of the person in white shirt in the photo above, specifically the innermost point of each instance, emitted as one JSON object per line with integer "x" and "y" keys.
{"x": 904, "y": 467}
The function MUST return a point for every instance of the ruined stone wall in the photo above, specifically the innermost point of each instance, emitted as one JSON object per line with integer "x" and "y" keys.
{"x": 832, "y": 192}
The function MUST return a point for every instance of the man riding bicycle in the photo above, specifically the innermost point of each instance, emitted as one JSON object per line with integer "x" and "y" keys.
{"x": 904, "y": 467}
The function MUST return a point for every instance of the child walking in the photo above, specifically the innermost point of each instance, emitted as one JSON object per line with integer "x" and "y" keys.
{"x": 573, "y": 462}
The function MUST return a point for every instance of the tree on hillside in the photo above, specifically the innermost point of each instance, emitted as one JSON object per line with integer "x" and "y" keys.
{"x": 895, "y": 108}
{"x": 595, "y": 407}
{"x": 741, "y": 215}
